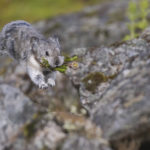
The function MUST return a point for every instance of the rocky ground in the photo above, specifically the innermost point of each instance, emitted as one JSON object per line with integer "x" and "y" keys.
{"x": 103, "y": 105}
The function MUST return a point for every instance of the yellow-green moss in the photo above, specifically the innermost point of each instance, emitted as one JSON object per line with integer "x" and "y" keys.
{"x": 30, "y": 128}
{"x": 45, "y": 148}
{"x": 92, "y": 80}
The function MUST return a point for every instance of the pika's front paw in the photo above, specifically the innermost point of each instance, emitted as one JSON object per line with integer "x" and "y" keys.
{"x": 51, "y": 82}
{"x": 43, "y": 86}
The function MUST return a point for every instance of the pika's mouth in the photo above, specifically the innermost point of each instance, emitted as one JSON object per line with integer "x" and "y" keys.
{"x": 67, "y": 62}
{"x": 45, "y": 63}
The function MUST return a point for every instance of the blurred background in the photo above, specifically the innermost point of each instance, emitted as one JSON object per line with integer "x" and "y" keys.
{"x": 34, "y": 10}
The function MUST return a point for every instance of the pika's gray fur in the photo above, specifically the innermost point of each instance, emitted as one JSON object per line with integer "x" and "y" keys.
{"x": 23, "y": 43}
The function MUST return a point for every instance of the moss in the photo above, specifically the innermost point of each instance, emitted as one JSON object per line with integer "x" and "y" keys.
{"x": 93, "y": 62}
{"x": 3, "y": 71}
{"x": 92, "y": 80}
{"x": 111, "y": 77}
{"x": 30, "y": 128}
{"x": 45, "y": 148}
{"x": 117, "y": 44}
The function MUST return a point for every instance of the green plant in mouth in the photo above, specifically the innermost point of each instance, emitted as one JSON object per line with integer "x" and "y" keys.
{"x": 61, "y": 68}
{"x": 68, "y": 59}
{"x": 137, "y": 13}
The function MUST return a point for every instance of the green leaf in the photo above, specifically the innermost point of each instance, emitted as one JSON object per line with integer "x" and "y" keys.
{"x": 67, "y": 58}
{"x": 45, "y": 63}
{"x": 126, "y": 38}
{"x": 144, "y": 4}
{"x": 62, "y": 68}
{"x": 132, "y": 11}
{"x": 143, "y": 24}
{"x": 137, "y": 13}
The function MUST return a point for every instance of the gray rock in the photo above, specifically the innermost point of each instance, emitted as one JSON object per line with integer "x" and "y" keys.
{"x": 99, "y": 66}
{"x": 123, "y": 111}
{"x": 45, "y": 134}
{"x": 15, "y": 110}
{"x": 115, "y": 90}
{"x": 79, "y": 142}
{"x": 126, "y": 102}
{"x": 50, "y": 136}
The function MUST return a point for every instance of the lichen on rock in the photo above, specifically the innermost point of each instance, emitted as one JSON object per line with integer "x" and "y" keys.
{"x": 94, "y": 79}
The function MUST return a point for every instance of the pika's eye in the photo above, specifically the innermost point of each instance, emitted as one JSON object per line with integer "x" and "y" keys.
{"x": 46, "y": 53}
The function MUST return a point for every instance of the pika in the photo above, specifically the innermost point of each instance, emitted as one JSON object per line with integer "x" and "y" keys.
{"x": 23, "y": 43}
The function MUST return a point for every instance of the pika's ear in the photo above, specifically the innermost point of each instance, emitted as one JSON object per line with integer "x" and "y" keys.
{"x": 55, "y": 40}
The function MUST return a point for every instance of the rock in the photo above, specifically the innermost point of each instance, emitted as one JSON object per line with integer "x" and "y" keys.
{"x": 99, "y": 66}
{"x": 79, "y": 142}
{"x": 114, "y": 86}
{"x": 50, "y": 136}
{"x": 123, "y": 110}
{"x": 15, "y": 110}
{"x": 44, "y": 134}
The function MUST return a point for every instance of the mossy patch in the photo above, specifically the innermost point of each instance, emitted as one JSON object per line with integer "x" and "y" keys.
{"x": 92, "y": 80}
{"x": 30, "y": 128}
{"x": 45, "y": 148}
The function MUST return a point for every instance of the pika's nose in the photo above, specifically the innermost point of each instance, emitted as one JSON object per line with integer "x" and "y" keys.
{"x": 56, "y": 61}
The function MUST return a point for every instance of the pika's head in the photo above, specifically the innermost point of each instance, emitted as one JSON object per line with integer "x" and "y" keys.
{"x": 49, "y": 50}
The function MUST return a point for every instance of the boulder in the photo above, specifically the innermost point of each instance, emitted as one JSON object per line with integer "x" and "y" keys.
{"x": 15, "y": 110}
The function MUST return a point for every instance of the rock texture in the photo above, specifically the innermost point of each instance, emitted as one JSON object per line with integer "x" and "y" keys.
{"x": 123, "y": 112}
{"x": 15, "y": 110}
{"x": 79, "y": 142}
{"x": 99, "y": 66}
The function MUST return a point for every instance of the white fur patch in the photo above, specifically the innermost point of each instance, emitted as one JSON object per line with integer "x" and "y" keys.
{"x": 51, "y": 82}
{"x": 34, "y": 63}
